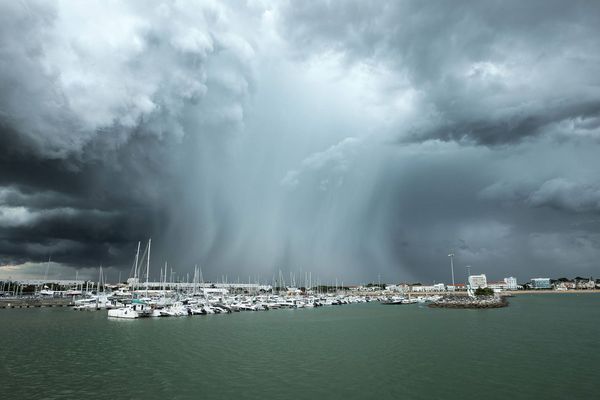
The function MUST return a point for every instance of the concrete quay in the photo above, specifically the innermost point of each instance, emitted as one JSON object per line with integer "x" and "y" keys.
{"x": 35, "y": 302}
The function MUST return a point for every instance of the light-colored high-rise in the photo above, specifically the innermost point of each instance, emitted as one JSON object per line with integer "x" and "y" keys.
{"x": 511, "y": 283}
{"x": 477, "y": 281}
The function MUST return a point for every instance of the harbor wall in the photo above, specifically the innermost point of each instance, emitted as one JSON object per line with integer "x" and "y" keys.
{"x": 35, "y": 302}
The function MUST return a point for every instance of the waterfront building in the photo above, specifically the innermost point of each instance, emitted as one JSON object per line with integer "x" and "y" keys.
{"x": 585, "y": 284}
{"x": 438, "y": 287}
{"x": 230, "y": 287}
{"x": 457, "y": 287}
{"x": 511, "y": 283}
{"x": 498, "y": 286}
{"x": 567, "y": 285}
{"x": 397, "y": 288}
{"x": 39, "y": 282}
{"x": 540, "y": 283}
{"x": 477, "y": 281}
{"x": 370, "y": 288}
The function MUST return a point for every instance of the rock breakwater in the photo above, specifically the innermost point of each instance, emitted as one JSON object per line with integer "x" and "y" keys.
{"x": 469, "y": 302}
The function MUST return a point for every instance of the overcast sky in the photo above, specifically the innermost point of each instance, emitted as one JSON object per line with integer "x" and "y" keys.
{"x": 352, "y": 139}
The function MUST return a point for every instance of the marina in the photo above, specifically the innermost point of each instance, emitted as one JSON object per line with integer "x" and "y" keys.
{"x": 165, "y": 298}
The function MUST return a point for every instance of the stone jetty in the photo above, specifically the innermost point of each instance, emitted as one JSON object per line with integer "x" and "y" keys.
{"x": 470, "y": 302}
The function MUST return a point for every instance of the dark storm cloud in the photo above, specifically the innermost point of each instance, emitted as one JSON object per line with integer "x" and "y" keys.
{"x": 75, "y": 211}
{"x": 565, "y": 195}
{"x": 492, "y": 72}
{"x": 510, "y": 128}
{"x": 102, "y": 109}
{"x": 558, "y": 193}
{"x": 349, "y": 139}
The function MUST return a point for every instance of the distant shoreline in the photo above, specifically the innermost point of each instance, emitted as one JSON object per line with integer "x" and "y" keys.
{"x": 509, "y": 292}
{"x": 517, "y": 292}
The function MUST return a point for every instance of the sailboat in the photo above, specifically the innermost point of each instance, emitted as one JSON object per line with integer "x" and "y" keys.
{"x": 98, "y": 301}
{"x": 137, "y": 308}
{"x": 46, "y": 291}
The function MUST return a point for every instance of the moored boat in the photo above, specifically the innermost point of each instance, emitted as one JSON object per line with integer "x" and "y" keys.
{"x": 137, "y": 309}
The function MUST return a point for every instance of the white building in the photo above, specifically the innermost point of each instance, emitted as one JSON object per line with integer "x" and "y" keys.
{"x": 477, "y": 281}
{"x": 456, "y": 286}
{"x": 590, "y": 284}
{"x": 397, "y": 288}
{"x": 497, "y": 286}
{"x": 438, "y": 287}
{"x": 511, "y": 283}
{"x": 541, "y": 283}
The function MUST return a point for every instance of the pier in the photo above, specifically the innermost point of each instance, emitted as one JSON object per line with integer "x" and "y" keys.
{"x": 34, "y": 302}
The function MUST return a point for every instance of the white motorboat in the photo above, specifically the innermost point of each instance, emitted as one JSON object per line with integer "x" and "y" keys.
{"x": 137, "y": 309}
{"x": 394, "y": 300}
{"x": 178, "y": 309}
{"x": 410, "y": 301}
{"x": 95, "y": 302}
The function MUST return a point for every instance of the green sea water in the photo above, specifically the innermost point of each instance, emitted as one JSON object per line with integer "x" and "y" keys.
{"x": 541, "y": 346}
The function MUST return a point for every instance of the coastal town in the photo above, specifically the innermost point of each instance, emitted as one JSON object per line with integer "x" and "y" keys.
{"x": 178, "y": 295}
{"x": 299, "y": 288}
{"x": 197, "y": 297}
{"x": 68, "y": 288}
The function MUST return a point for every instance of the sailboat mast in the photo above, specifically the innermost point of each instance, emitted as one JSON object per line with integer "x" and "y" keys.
{"x": 165, "y": 278}
{"x": 47, "y": 267}
{"x": 100, "y": 279}
{"x": 148, "y": 265}
{"x": 135, "y": 271}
